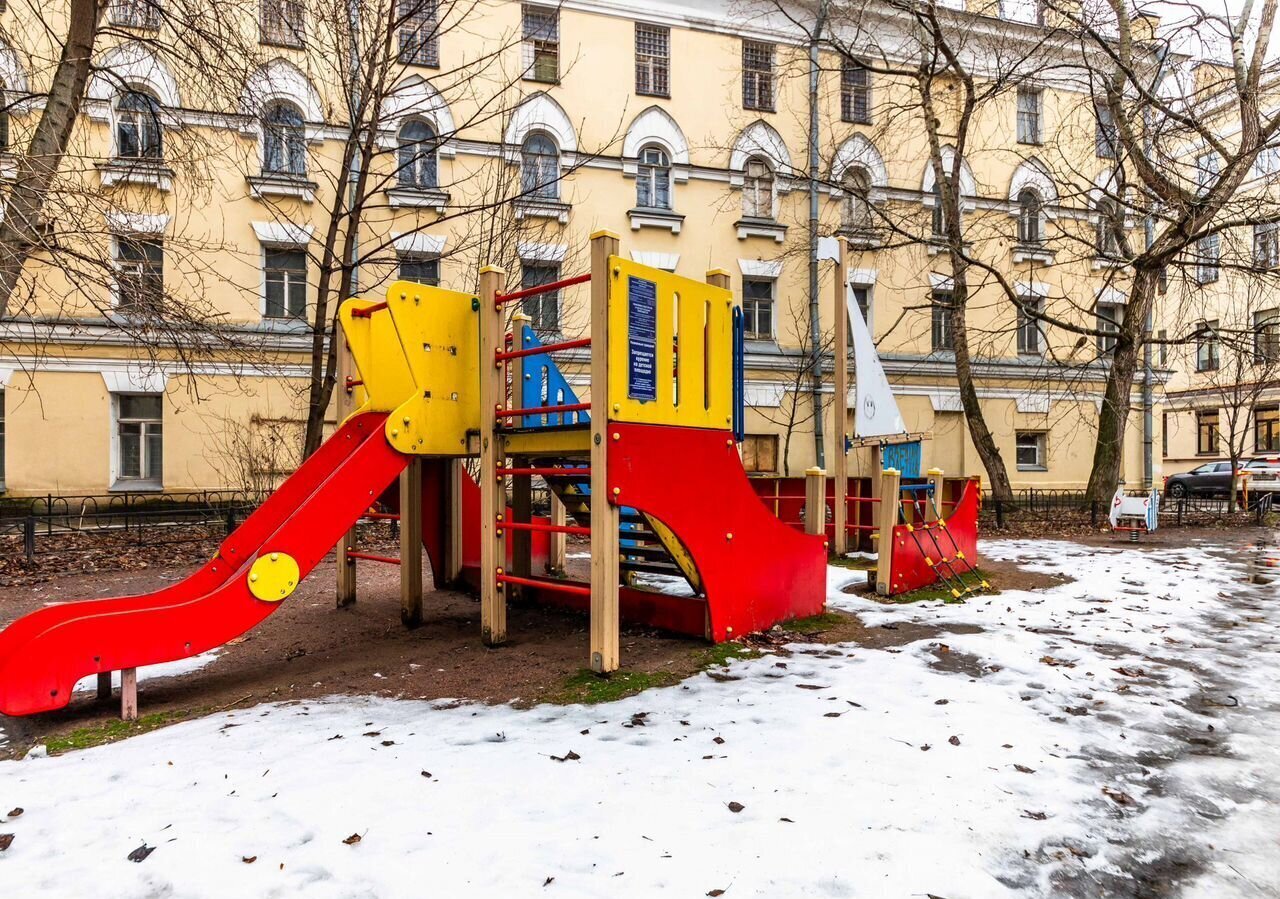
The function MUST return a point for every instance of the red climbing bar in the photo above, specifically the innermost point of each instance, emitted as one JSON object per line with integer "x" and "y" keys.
{"x": 368, "y": 310}
{"x": 548, "y": 528}
{"x": 575, "y": 589}
{"x": 545, "y": 348}
{"x": 543, "y": 410}
{"x": 382, "y": 516}
{"x": 500, "y": 298}
{"x": 370, "y": 557}
{"x": 545, "y": 472}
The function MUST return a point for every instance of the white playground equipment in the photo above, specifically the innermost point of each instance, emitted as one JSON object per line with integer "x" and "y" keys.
{"x": 1135, "y": 514}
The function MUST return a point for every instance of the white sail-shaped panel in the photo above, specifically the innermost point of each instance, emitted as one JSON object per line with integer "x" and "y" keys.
{"x": 875, "y": 411}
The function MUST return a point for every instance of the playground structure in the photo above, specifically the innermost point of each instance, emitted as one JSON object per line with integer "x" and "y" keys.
{"x": 647, "y": 469}
{"x": 1135, "y": 515}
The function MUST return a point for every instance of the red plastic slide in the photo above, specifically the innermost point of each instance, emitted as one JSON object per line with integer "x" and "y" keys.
{"x": 44, "y": 654}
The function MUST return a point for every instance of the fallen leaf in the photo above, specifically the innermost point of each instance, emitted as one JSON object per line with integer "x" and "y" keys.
{"x": 373, "y": 733}
{"x": 941, "y": 701}
{"x": 16, "y": 813}
{"x": 833, "y": 714}
{"x": 1120, "y": 797}
{"x": 1024, "y": 769}
{"x": 717, "y": 740}
{"x": 425, "y": 773}
{"x": 249, "y": 859}
{"x": 140, "y": 854}
{"x": 569, "y": 756}
{"x": 353, "y": 839}
{"x": 811, "y": 686}
{"x": 715, "y": 892}
{"x": 1057, "y": 663}
{"x": 1129, "y": 672}
{"x": 925, "y": 748}
{"x": 388, "y": 742}
{"x": 788, "y": 820}
{"x": 548, "y": 881}
{"x": 6, "y": 840}
{"x": 953, "y": 740}
{"x": 1034, "y": 816}
{"x": 736, "y": 807}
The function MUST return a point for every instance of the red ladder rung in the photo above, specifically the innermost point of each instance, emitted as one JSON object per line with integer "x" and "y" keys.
{"x": 575, "y": 589}
{"x": 548, "y": 528}
{"x": 370, "y": 557}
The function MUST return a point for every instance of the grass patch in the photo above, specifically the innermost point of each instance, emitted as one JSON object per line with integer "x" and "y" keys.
{"x": 814, "y": 624}
{"x": 939, "y": 591}
{"x": 111, "y": 731}
{"x": 588, "y": 688}
{"x": 852, "y": 564}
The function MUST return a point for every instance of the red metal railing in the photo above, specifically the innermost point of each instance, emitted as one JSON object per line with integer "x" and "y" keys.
{"x": 543, "y": 410}
{"x": 547, "y": 528}
{"x": 500, "y": 298}
{"x": 368, "y": 310}
{"x": 545, "y": 472}
{"x": 544, "y": 348}
{"x": 370, "y": 557}
{"x": 575, "y": 589}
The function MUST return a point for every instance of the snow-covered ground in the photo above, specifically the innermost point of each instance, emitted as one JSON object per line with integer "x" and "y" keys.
{"x": 1106, "y": 737}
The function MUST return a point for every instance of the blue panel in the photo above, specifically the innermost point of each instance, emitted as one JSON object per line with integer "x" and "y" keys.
{"x": 545, "y": 386}
{"x": 739, "y": 377}
{"x": 903, "y": 456}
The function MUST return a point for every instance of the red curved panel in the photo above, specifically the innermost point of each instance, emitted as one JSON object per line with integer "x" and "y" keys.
{"x": 43, "y": 655}
{"x": 913, "y": 550}
{"x": 756, "y": 570}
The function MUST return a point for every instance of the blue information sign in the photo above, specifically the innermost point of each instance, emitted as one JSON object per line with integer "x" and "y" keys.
{"x": 642, "y": 339}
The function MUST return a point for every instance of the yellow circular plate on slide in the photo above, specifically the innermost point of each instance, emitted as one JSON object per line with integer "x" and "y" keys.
{"x": 273, "y": 576}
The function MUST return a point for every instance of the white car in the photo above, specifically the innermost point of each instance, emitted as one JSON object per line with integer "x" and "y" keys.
{"x": 1264, "y": 473}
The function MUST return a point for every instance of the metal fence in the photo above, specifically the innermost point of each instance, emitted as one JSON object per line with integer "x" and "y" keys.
{"x": 1070, "y": 507}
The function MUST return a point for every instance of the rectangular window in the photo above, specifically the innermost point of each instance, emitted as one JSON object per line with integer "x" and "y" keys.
{"x": 1266, "y": 429}
{"x": 1208, "y": 166}
{"x": 1207, "y": 346}
{"x": 1267, "y": 163}
{"x": 653, "y": 60}
{"x": 1208, "y": 256}
{"x": 1164, "y": 434}
{"x": 941, "y": 337}
{"x": 1028, "y": 115}
{"x": 140, "y": 437}
{"x": 286, "y": 284}
{"x": 1266, "y": 245}
{"x": 1110, "y": 315}
{"x": 1029, "y": 327}
{"x": 1266, "y": 335}
{"x": 1163, "y": 335}
{"x": 862, "y": 296}
{"x": 420, "y": 269}
{"x": 1106, "y": 138}
{"x": 760, "y": 453}
{"x": 1207, "y": 432}
{"x": 855, "y": 92}
{"x": 140, "y": 14}
{"x": 541, "y": 44}
{"x": 544, "y": 308}
{"x": 1030, "y": 450}
{"x": 419, "y": 37}
{"x": 757, "y": 76}
{"x": 757, "y": 308}
{"x": 284, "y": 22}
{"x": 139, "y": 274}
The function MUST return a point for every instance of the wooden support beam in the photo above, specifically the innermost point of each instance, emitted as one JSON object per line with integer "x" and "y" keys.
{"x": 104, "y": 686}
{"x": 933, "y": 504}
{"x": 556, "y": 552}
{"x": 605, "y": 519}
{"x": 129, "y": 694}
{"x": 411, "y": 544}
{"x": 345, "y": 403}
{"x": 453, "y": 531}
{"x": 890, "y": 499}
{"x": 840, "y": 411}
{"x": 493, "y": 499}
{"x": 815, "y": 501}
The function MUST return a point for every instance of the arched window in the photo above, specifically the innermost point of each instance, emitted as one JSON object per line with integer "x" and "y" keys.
{"x": 857, "y": 201}
{"x": 939, "y": 213}
{"x": 757, "y": 190}
{"x": 284, "y": 146}
{"x": 653, "y": 179}
{"x": 138, "y": 134}
{"x": 1109, "y": 233}
{"x": 1030, "y": 218}
{"x": 540, "y": 167}
{"x": 417, "y": 155}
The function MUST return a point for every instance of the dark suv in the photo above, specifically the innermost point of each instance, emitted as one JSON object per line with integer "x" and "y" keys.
{"x": 1210, "y": 479}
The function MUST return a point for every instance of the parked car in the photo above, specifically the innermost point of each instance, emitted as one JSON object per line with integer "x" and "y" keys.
{"x": 1210, "y": 479}
{"x": 1264, "y": 474}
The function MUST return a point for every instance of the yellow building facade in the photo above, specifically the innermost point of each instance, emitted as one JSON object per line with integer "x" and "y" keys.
{"x": 506, "y": 139}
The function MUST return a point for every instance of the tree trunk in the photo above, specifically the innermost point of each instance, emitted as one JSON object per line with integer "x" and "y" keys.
{"x": 21, "y": 227}
{"x": 983, "y": 440}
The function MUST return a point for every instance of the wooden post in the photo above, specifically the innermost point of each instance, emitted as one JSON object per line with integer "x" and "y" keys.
{"x": 840, "y": 409}
{"x": 104, "y": 686}
{"x": 815, "y": 501}
{"x": 346, "y": 404}
{"x": 129, "y": 694}
{"x": 933, "y": 504}
{"x": 411, "y": 543}
{"x": 453, "y": 532}
{"x": 521, "y": 485}
{"x": 556, "y": 552}
{"x": 890, "y": 498}
{"x": 493, "y": 500}
{"x": 605, "y": 513}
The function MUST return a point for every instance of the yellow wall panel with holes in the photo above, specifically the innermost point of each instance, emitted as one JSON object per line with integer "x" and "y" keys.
{"x": 670, "y": 348}
{"x": 378, "y": 356}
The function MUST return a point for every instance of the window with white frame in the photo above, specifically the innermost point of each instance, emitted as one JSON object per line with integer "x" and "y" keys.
{"x": 143, "y": 15}
{"x": 1266, "y": 335}
{"x": 139, "y": 273}
{"x": 416, "y": 155}
{"x": 757, "y": 76}
{"x": 540, "y": 167}
{"x": 283, "y": 22}
{"x": 1207, "y": 432}
{"x": 653, "y": 179}
{"x": 1106, "y": 139}
{"x": 1266, "y": 429}
{"x": 543, "y": 308}
{"x": 284, "y": 140}
{"x": 653, "y": 60}
{"x": 1208, "y": 258}
{"x": 757, "y": 307}
{"x": 541, "y": 45}
{"x": 1267, "y": 162}
{"x": 1030, "y": 100}
{"x": 941, "y": 336}
{"x": 1208, "y": 166}
{"x": 857, "y": 214}
{"x": 419, "y": 32}
{"x": 757, "y": 189}
{"x": 140, "y": 438}
{"x": 862, "y": 297}
{"x": 1030, "y": 450}
{"x": 1109, "y": 318}
{"x": 1108, "y": 229}
{"x": 855, "y": 91}
{"x": 1266, "y": 245}
{"x": 1029, "y": 310}
{"x": 1208, "y": 346}
{"x": 1030, "y": 218}
{"x": 420, "y": 268}
{"x": 285, "y": 281}
{"x": 138, "y": 131}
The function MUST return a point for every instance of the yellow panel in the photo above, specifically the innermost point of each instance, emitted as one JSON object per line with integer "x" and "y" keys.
{"x": 693, "y": 355}
{"x": 379, "y": 358}
{"x": 273, "y": 577}
{"x": 549, "y": 442}
{"x": 439, "y": 332}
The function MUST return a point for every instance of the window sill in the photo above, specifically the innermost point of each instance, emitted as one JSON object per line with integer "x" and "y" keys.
{"x": 418, "y": 197}
{"x": 855, "y": 121}
{"x": 135, "y": 485}
{"x": 661, "y": 96}
{"x": 8, "y": 166}
{"x": 284, "y": 324}
{"x": 936, "y": 245}
{"x": 664, "y": 219}
{"x": 276, "y": 185}
{"x": 553, "y": 81}
{"x": 759, "y": 108}
{"x": 275, "y": 40}
{"x": 752, "y": 227}
{"x": 534, "y": 208}
{"x": 1030, "y": 253}
{"x": 861, "y": 238}
{"x": 143, "y": 172}
{"x": 1033, "y": 468}
{"x": 1106, "y": 262}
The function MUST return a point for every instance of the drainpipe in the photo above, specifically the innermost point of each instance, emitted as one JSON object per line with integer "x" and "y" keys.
{"x": 815, "y": 308}
{"x": 1148, "y": 376}
{"x": 353, "y": 62}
